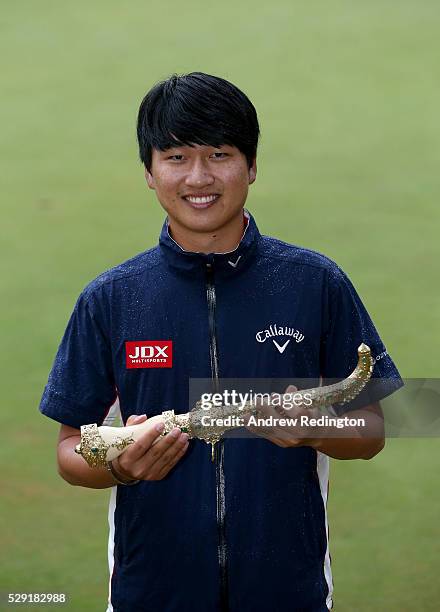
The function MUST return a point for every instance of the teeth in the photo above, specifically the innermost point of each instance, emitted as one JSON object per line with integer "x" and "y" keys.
{"x": 202, "y": 200}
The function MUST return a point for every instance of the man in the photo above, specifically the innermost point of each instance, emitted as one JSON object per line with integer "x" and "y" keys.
{"x": 246, "y": 532}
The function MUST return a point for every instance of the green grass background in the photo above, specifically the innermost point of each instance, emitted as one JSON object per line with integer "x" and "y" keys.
{"x": 348, "y": 98}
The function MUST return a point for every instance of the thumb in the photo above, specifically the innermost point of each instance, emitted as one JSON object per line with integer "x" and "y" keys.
{"x": 291, "y": 389}
{"x": 135, "y": 419}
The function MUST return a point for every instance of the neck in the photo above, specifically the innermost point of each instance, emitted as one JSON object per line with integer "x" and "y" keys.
{"x": 221, "y": 240}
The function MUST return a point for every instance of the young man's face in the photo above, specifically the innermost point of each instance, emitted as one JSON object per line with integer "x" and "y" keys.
{"x": 202, "y": 188}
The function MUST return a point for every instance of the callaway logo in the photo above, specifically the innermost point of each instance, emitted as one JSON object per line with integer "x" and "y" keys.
{"x": 149, "y": 354}
{"x": 278, "y": 330}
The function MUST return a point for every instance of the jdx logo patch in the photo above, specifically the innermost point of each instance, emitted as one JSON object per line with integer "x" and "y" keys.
{"x": 149, "y": 354}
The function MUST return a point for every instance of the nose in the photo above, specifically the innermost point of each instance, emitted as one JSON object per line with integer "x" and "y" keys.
{"x": 199, "y": 175}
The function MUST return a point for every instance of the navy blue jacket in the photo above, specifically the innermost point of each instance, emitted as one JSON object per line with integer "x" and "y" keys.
{"x": 247, "y": 532}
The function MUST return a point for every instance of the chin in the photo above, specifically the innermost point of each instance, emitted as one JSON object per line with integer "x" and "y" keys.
{"x": 204, "y": 220}
{"x": 203, "y": 227}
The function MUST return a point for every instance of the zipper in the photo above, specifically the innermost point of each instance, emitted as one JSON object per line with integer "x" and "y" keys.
{"x": 219, "y": 447}
{"x": 210, "y": 295}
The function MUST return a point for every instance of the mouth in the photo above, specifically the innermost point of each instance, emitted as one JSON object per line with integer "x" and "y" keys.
{"x": 201, "y": 201}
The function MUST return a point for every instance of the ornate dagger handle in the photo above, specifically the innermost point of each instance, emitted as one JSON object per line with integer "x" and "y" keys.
{"x": 101, "y": 444}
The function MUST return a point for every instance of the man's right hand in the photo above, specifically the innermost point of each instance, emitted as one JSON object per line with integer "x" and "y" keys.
{"x": 148, "y": 459}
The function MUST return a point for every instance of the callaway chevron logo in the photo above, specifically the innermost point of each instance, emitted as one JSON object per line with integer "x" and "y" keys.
{"x": 280, "y": 332}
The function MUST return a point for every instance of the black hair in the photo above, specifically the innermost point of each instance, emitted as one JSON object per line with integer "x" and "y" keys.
{"x": 196, "y": 108}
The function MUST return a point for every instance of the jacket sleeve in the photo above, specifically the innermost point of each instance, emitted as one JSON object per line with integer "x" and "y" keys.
{"x": 81, "y": 387}
{"x": 348, "y": 324}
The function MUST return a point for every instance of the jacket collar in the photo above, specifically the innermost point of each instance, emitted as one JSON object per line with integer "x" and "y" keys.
{"x": 225, "y": 264}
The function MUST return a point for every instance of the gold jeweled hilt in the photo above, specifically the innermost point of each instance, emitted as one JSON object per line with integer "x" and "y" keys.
{"x": 94, "y": 449}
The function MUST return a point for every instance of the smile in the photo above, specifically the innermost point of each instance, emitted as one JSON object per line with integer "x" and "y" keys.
{"x": 201, "y": 201}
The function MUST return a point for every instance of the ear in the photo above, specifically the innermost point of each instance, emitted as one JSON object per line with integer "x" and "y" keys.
{"x": 149, "y": 178}
{"x": 253, "y": 171}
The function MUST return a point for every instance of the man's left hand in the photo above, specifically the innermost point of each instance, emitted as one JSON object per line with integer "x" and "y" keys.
{"x": 285, "y": 434}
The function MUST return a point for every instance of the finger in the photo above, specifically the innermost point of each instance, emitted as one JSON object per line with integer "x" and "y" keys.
{"x": 176, "y": 449}
{"x": 156, "y": 450}
{"x": 276, "y": 439}
{"x": 259, "y": 430}
{"x": 169, "y": 466}
{"x": 269, "y": 435}
{"x": 268, "y": 411}
{"x": 279, "y": 442}
{"x": 169, "y": 453}
{"x": 291, "y": 389}
{"x": 145, "y": 442}
{"x": 134, "y": 419}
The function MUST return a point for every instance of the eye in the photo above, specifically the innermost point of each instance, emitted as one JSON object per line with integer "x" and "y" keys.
{"x": 175, "y": 157}
{"x": 219, "y": 155}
